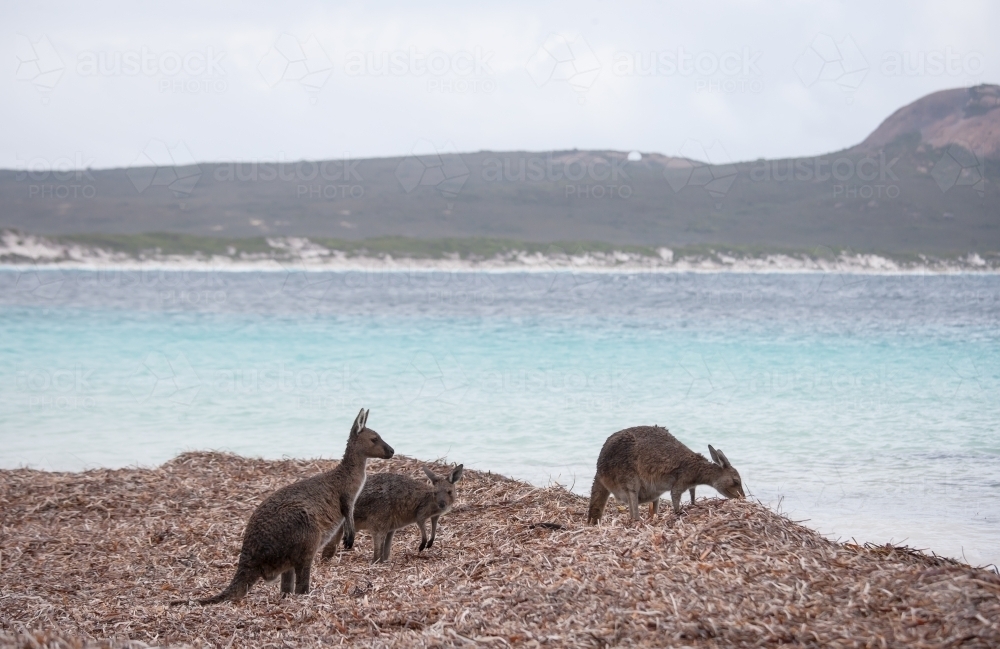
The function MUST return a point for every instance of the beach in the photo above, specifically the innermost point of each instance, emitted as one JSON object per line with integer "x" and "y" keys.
{"x": 99, "y": 554}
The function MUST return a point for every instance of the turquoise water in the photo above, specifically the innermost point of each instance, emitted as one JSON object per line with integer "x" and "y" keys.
{"x": 865, "y": 404}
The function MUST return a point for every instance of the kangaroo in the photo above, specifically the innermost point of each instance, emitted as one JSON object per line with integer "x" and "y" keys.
{"x": 638, "y": 464}
{"x": 284, "y": 532}
{"x": 390, "y": 502}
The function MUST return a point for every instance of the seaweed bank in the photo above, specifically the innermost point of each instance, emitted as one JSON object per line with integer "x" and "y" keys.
{"x": 92, "y": 559}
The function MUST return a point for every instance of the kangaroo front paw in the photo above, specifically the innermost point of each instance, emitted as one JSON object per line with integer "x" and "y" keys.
{"x": 423, "y": 544}
{"x": 349, "y": 541}
{"x": 430, "y": 543}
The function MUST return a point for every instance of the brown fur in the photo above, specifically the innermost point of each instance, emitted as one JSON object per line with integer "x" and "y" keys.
{"x": 639, "y": 464}
{"x": 390, "y": 502}
{"x": 284, "y": 532}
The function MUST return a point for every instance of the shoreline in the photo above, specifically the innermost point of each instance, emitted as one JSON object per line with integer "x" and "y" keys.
{"x": 99, "y": 554}
{"x": 21, "y": 253}
{"x": 880, "y": 267}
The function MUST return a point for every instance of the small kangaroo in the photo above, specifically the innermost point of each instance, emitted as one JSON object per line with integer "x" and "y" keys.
{"x": 390, "y": 502}
{"x": 639, "y": 464}
{"x": 284, "y": 532}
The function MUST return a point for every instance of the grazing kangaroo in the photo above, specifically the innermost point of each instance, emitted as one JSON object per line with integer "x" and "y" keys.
{"x": 638, "y": 464}
{"x": 390, "y": 502}
{"x": 284, "y": 532}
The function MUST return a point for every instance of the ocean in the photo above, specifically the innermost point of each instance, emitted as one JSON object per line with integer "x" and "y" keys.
{"x": 866, "y": 405}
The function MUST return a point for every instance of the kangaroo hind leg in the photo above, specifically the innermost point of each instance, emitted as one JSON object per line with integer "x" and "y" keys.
{"x": 387, "y": 545}
{"x": 378, "y": 541}
{"x": 633, "y": 505}
{"x": 302, "y": 577}
{"x": 287, "y": 582}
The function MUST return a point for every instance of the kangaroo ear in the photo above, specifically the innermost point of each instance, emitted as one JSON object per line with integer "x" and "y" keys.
{"x": 715, "y": 455}
{"x": 365, "y": 421}
{"x": 456, "y": 474}
{"x": 430, "y": 475}
{"x": 359, "y": 423}
{"x": 725, "y": 461}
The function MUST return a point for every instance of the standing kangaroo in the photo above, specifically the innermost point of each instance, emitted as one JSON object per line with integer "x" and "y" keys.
{"x": 284, "y": 532}
{"x": 639, "y": 464}
{"x": 390, "y": 502}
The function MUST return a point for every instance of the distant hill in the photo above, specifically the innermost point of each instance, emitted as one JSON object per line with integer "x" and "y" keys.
{"x": 923, "y": 182}
{"x": 967, "y": 117}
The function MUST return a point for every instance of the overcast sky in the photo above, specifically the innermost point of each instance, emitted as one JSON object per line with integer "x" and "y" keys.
{"x": 292, "y": 80}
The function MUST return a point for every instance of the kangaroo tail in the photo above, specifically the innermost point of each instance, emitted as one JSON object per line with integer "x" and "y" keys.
{"x": 235, "y": 591}
{"x": 599, "y": 495}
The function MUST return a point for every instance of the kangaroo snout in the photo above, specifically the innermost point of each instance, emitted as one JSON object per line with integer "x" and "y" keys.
{"x": 388, "y": 451}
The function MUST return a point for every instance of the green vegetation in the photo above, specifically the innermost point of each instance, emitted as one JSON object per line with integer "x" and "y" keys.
{"x": 168, "y": 243}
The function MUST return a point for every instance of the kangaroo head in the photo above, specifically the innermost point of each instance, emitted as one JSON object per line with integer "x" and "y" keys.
{"x": 728, "y": 483}
{"x": 366, "y": 441}
{"x": 444, "y": 487}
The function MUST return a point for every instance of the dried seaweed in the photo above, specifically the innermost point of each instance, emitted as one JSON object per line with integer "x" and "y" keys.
{"x": 90, "y": 560}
